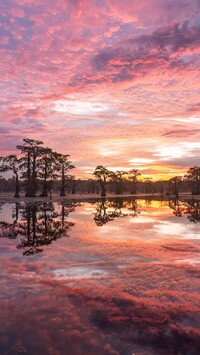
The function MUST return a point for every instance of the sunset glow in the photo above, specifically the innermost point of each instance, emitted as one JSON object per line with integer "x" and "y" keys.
{"x": 109, "y": 82}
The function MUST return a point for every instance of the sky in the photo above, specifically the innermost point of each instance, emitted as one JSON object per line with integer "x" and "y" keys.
{"x": 109, "y": 82}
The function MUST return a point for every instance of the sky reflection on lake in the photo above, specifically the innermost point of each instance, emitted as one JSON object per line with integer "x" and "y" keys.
{"x": 100, "y": 277}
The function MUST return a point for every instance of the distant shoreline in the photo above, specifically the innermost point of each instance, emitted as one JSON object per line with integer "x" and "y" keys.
{"x": 84, "y": 197}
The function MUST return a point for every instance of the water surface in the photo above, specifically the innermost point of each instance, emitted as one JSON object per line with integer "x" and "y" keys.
{"x": 119, "y": 276}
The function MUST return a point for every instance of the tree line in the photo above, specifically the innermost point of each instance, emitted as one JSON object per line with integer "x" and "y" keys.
{"x": 40, "y": 166}
{"x": 191, "y": 181}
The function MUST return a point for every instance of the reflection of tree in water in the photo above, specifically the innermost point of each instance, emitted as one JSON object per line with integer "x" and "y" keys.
{"x": 108, "y": 210}
{"x": 148, "y": 202}
{"x": 177, "y": 207}
{"x": 7, "y": 230}
{"x": 39, "y": 225}
{"x": 132, "y": 206}
{"x": 189, "y": 208}
{"x": 15, "y": 213}
{"x": 194, "y": 211}
{"x": 102, "y": 216}
{"x": 10, "y": 230}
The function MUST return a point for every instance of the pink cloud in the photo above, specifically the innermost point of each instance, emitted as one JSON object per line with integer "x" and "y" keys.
{"x": 149, "y": 13}
{"x": 139, "y": 61}
{"x": 17, "y": 12}
{"x": 4, "y": 40}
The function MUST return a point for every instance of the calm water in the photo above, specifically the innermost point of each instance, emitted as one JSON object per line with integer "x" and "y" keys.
{"x": 105, "y": 277}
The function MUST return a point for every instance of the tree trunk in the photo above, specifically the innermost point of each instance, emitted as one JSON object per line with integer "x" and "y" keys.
{"x": 28, "y": 218}
{"x": 44, "y": 190}
{"x": 63, "y": 216}
{"x": 34, "y": 222}
{"x": 16, "y": 185}
{"x": 16, "y": 212}
{"x": 62, "y": 192}
{"x": 28, "y": 187}
{"x": 33, "y": 185}
{"x": 45, "y": 223}
{"x": 176, "y": 190}
{"x": 103, "y": 189}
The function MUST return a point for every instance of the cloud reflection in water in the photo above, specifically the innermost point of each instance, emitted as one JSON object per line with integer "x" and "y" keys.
{"x": 114, "y": 287}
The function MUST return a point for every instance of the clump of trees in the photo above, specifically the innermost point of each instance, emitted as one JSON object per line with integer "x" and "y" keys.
{"x": 175, "y": 184}
{"x": 12, "y": 163}
{"x": 37, "y": 162}
{"x": 193, "y": 177}
{"x": 133, "y": 176}
{"x": 130, "y": 181}
{"x": 117, "y": 179}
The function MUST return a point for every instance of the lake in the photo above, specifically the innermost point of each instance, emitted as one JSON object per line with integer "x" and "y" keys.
{"x": 116, "y": 276}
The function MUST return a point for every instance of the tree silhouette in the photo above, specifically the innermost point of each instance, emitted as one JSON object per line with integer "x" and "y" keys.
{"x": 63, "y": 165}
{"x": 11, "y": 162}
{"x": 91, "y": 186}
{"x": 31, "y": 149}
{"x": 102, "y": 174}
{"x": 117, "y": 179}
{"x": 133, "y": 175}
{"x": 193, "y": 176}
{"x": 148, "y": 185}
{"x": 47, "y": 168}
{"x": 73, "y": 184}
{"x": 175, "y": 185}
{"x": 161, "y": 186}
